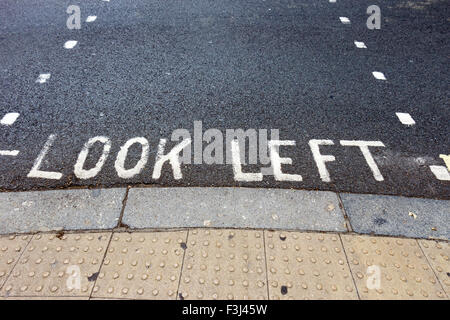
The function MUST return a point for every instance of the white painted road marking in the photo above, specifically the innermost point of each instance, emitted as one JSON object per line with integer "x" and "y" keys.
{"x": 122, "y": 156}
{"x": 35, "y": 172}
{"x": 332, "y": 1}
{"x": 360, "y": 44}
{"x": 91, "y": 18}
{"x": 364, "y": 147}
{"x": 9, "y": 118}
{"x": 277, "y": 161}
{"x": 344, "y": 20}
{"x": 446, "y": 159}
{"x": 321, "y": 159}
{"x": 440, "y": 172}
{"x": 82, "y": 173}
{"x": 405, "y": 118}
{"x": 11, "y": 153}
{"x": 237, "y": 165}
{"x": 70, "y": 44}
{"x": 379, "y": 75}
{"x": 43, "y": 77}
{"x": 172, "y": 157}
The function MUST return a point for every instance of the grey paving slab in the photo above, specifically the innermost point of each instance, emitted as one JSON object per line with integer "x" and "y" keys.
{"x": 398, "y": 216}
{"x": 60, "y": 210}
{"x": 233, "y": 208}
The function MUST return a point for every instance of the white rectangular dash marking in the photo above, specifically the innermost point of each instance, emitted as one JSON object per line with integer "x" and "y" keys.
{"x": 440, "y": 172}
{"x": 344, "y": 20}
{"x": 332, "y": 1}
{"x": 12, "y": 153}
{"x": 9, "y": 118}
{"x": 360, "y": 44}
{"x": 43, "y": 77}
{"x": 379, "y": 75}
{"x": 91, "y": 18}
{"x": 70, "y": 44}
{"x": 405, "y": 118}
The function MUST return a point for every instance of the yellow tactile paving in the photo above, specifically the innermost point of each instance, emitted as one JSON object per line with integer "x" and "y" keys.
{"x": 143, "y": 265}
{"x": 45, "y": 298}
{"x": 398, "y": 264}
{"x": 48, "y": 267}
{"x": 11, "y": 247}
{"x": 307, "y": 266}
{"x": 221, "y": 264}
{"x": 224, "y": 264}
{"x": 437, "y": 254}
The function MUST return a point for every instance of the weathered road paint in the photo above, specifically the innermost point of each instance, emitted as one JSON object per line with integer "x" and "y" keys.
{"x": 91, "y": 18}
{"x": 35, "y": 171}
{"x": 43, "y": 77}
{"x": 82, "y": 173}
{"x": 344, "y": 20}
{"x": 405, "y": 118}
{"x": 9, "y": 118}
{"x": 277, "y": 161}
{"x": 172, "y": 157}
{"x": 237, "y": 165}
{"x": 440, "y": 172}
{"x": 364, "y": 147}
{"x": 119, "y": 165}
{"x": 446, "y": 159}
{"x": 12, "y": 153}
{"x": 70, "y": 44}
{"x": 378, "y": 75}
{"x": 360, "y": 44}
{"x": 321, "y": 159}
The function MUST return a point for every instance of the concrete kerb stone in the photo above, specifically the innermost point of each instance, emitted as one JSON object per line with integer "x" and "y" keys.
{"x": 251, "y": 208}
{"x": 398, "y": 216}
{"x": 74, "y": 209}
{"x": 233, "y": 208}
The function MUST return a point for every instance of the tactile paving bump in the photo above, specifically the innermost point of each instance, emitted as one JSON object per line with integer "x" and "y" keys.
{"x": 437, "y": 254}
{"x": 224, "y": 265}
{"x": 142, "y": 266}
{"x": 11, "y": 247}
{"x": 390, "y": 268}
{"x": 307, "y": 266}
{"x": 57, "y": 265}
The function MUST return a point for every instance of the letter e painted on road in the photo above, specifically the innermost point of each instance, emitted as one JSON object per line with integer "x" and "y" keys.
{"x": 277, "y": 161}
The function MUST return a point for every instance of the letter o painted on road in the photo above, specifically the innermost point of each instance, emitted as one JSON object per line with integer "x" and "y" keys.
{"x": 122, "y": 155}
{"x": 78, "y": 168}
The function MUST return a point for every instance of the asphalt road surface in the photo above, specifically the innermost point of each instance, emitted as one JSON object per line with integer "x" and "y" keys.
{"x": 145, "y": 68}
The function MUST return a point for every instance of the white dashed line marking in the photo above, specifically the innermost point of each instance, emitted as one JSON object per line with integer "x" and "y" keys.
{"x": 70, "y": 44}
{"x": 405, "y": 118}
{"x": 379, "y": 75}
{"x": 91, "y": 18}
{"x": 11, "y": 153}
{"x": 344, "y": 20}
{"x": 9, "y": 118}
{"x": 440, "y": 172}
{"x": 332, "y": 1}
{"x": 43, "y": 77}
{"x": 360, "y": 44}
